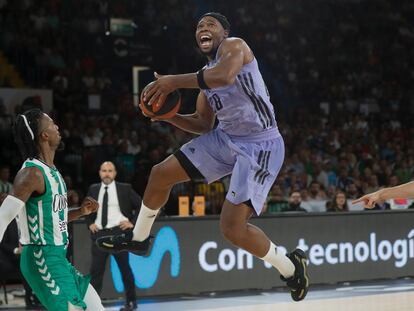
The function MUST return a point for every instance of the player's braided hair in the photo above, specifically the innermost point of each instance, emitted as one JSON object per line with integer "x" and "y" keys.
{"x": 25, "y": 131}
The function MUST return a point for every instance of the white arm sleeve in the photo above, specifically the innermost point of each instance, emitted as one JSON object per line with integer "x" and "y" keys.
{"x": 8, "y": 211}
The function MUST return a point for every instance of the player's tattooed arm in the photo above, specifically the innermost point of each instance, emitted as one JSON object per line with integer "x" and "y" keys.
{"x": 28, "y": 180}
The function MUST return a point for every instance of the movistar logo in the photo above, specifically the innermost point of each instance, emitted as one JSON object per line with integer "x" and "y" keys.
{"x": 146, "y": 269}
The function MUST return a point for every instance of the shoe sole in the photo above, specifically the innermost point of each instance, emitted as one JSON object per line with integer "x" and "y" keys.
{"x": 108, "y": 247}
{"x": 303, "y": 292}
{"x": 303, "y": 262}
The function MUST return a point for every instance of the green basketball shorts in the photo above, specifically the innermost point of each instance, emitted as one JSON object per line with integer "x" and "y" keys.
{"x": 52, "y": 278}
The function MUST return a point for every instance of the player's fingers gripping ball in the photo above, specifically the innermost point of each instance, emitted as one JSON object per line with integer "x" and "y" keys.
{"x": 161, "y": 111}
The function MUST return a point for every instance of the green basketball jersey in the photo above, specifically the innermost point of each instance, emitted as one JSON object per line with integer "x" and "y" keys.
{"x": 43, "y": 221}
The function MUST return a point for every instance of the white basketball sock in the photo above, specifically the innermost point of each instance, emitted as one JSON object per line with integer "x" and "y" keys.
{"x": 278, "y": 259}
{"x": 92, "y": 300}
{"x": 144, "y": 223}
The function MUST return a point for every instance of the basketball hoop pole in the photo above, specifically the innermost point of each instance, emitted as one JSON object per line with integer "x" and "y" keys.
{"x": 135, "y": 82}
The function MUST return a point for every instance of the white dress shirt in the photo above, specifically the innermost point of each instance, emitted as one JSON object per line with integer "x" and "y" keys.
{"x": 115, "y": 217}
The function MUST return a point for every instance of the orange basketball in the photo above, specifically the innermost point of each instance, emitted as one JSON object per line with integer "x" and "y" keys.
{"x": 166, "y": 110}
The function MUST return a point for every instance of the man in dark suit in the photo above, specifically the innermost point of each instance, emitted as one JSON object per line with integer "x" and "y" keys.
{"x": 115, "y": 215}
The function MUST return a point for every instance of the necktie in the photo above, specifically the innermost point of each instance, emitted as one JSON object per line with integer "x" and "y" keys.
{"x": 104, "y": 220}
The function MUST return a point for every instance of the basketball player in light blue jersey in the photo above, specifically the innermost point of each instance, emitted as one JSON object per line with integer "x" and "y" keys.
{"x": 246, "y": 144}
{"x": 39, "y": 197}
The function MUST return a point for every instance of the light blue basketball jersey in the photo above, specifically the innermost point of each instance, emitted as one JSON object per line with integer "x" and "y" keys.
{"x": 243, "y": 108}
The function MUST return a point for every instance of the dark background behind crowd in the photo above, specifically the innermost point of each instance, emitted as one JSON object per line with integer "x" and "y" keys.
{"x": 340, "y": 74}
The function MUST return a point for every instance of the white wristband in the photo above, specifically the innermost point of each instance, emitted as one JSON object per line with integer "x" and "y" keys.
{"x": 8, "y": 211}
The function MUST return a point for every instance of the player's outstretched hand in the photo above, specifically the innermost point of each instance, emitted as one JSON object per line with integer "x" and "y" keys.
{"x": 369, "y": 200}
{"x": 89, "y": 206}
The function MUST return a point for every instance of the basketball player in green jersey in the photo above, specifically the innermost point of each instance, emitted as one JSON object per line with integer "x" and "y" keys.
{"x": 39, "y": 198}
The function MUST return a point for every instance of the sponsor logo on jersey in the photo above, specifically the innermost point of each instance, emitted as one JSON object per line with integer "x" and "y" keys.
{"x": 60, "y": 202}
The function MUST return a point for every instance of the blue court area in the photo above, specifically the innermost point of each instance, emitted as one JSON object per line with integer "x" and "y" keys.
{"x": 396, "y": 295}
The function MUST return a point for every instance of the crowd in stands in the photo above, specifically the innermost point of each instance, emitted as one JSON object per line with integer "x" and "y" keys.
{"x": 340, "y": 73}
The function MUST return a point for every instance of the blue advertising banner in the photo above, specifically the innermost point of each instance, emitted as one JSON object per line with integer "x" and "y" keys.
{"x": 189, "y": 255}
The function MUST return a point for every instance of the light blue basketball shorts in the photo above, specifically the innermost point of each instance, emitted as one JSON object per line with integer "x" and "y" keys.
{"x": 253, "y": 162}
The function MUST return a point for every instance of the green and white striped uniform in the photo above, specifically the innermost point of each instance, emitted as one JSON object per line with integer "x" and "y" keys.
{"x": 44, "y": 236}
{"x": 44, "y": 219}
{"x": 5, "y": 187}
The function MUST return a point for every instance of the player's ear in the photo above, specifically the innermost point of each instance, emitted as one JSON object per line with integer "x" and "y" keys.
{"x": 226, "y": 33}
{"x": 44, "y": 135}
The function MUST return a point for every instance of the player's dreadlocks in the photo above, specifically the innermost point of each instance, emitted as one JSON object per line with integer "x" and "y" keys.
{"x": 25, "y": 131}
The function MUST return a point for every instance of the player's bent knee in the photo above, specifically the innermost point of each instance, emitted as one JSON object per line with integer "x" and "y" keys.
{"x": 157, "y": 171}
{"x": 162, "y": 175}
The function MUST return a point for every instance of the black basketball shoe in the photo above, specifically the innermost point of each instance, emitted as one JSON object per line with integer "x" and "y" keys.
{"x": 124, "y": 243}
{"x": 299, "y": 282}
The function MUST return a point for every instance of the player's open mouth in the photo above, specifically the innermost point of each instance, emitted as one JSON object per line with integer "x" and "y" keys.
{"x": 206, "y": 41}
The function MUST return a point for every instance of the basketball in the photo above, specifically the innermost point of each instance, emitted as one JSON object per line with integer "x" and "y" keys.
{"x": 165, "y": 110}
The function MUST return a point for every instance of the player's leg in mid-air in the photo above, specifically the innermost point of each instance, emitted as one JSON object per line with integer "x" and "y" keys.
{"x": 212, "y": 156}
{"x": 255, "y": 170}
{"x": 195, "y": 160}
{"x": 235, "y": 228}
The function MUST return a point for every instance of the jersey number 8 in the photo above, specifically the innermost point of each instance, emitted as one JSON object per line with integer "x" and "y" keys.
{"x": 217, "y": 102}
